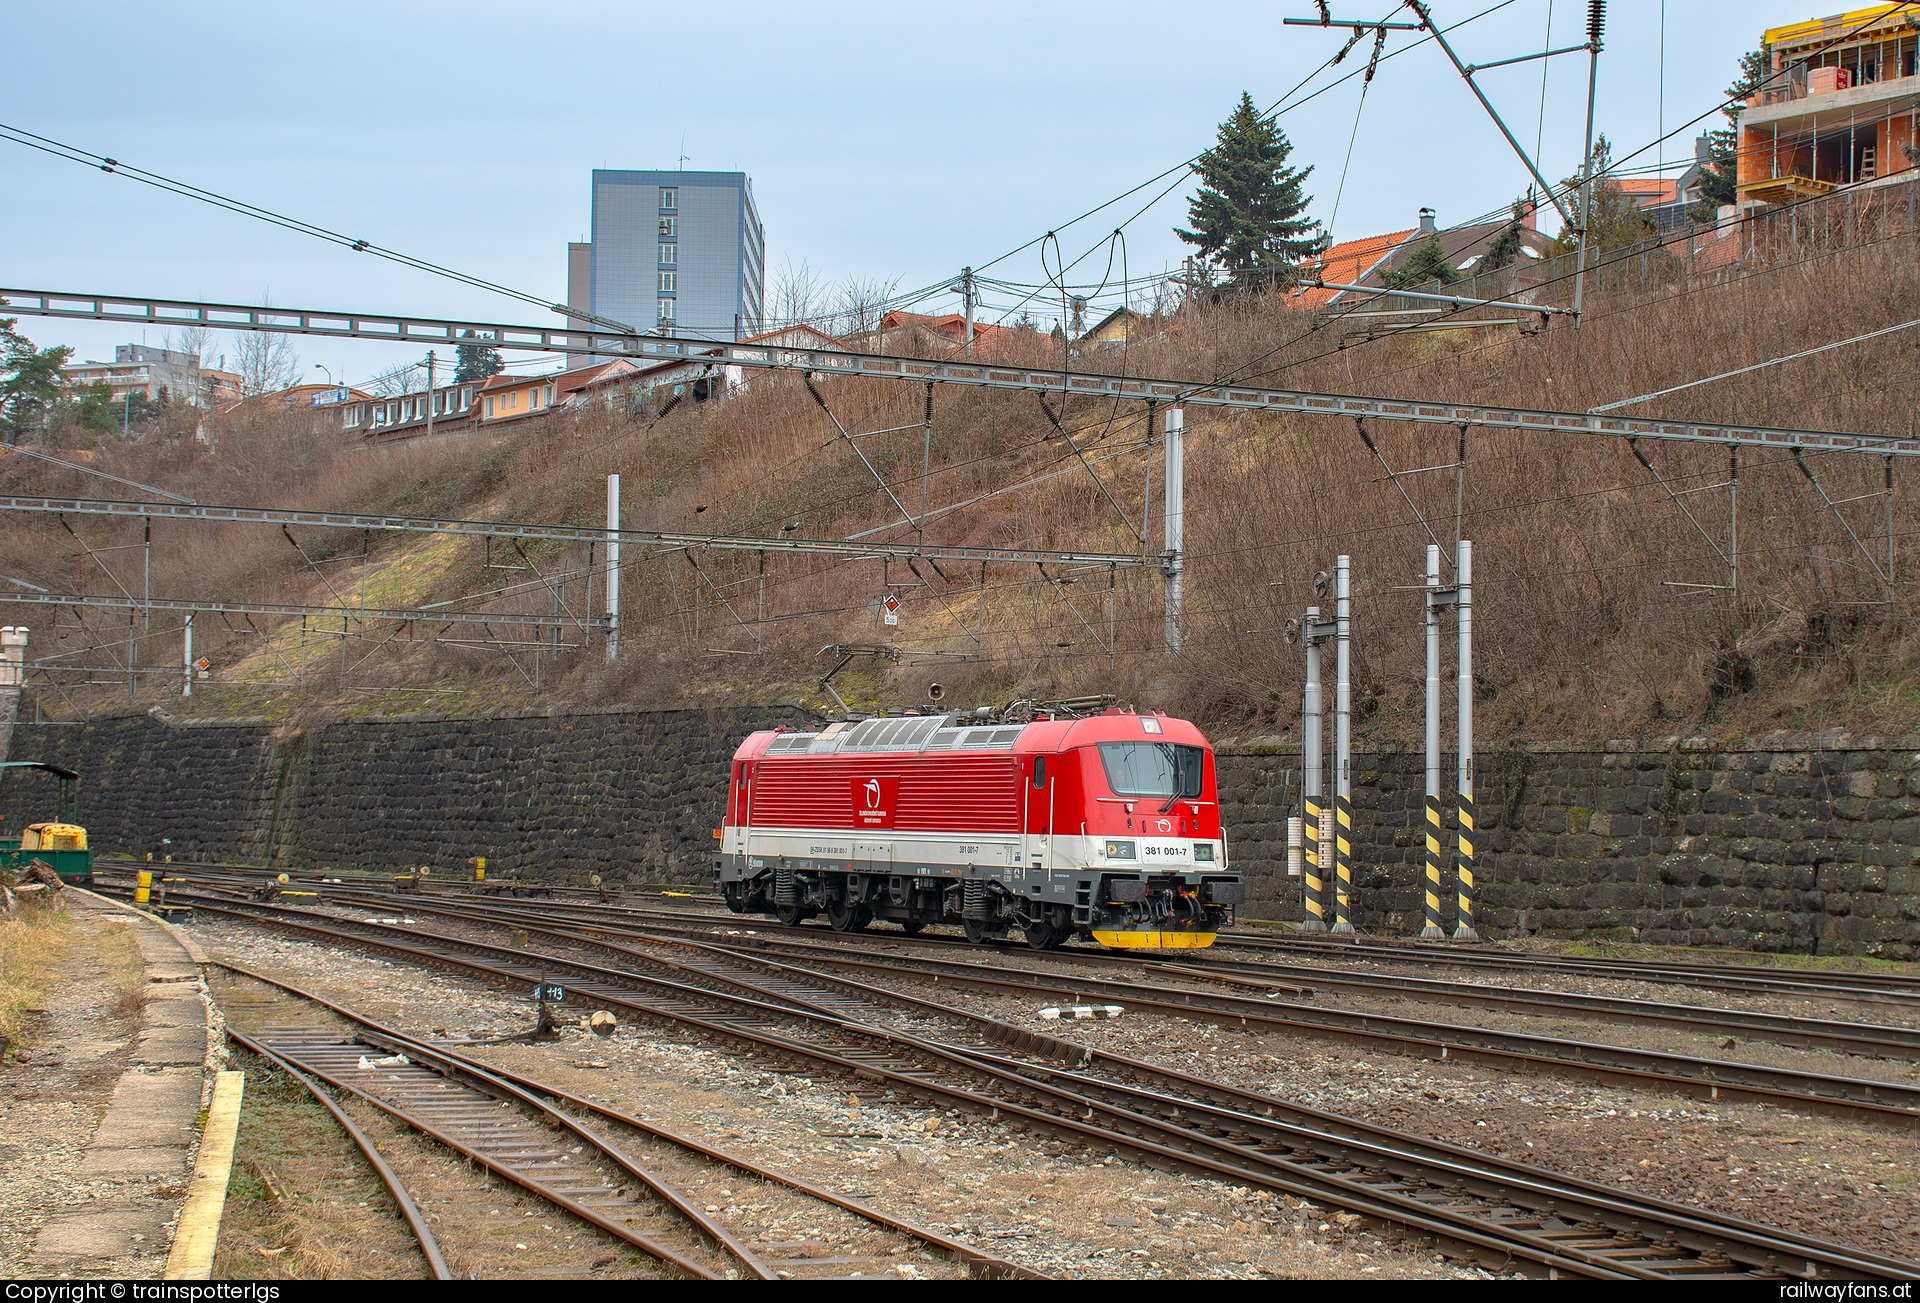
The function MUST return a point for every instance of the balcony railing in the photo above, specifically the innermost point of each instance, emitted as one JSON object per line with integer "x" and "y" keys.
{"x": 1791, "y": 85}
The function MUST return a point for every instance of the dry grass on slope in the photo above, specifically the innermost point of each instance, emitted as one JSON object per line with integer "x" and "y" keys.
{"x": 1597, "y": 604}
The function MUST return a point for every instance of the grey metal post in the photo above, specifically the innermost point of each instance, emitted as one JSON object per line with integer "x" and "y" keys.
{"x": 1596, "y": 28}
{"x": 1463, "y": 576}
{"x": 1342, "y": 749}
{"x": 926, "y": 460}
{"x": 1175, "y": 505}
{"x": 1733, "y": 518}
{"x": 1432, "y": 810}
{"x": 13, "y": 678}
{"x": 1312, "y": 772}
{"x": 430, "y": 362}
{"x": 186, "y": 659}
{"x": 613, "y": 567}
{"x": 966, "y": 296}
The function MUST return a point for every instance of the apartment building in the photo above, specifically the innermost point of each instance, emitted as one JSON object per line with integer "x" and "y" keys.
{"x": 680, "y": 253}
{"x": 405, "y": 413}
{"x": 141, "y": 369}
{"x": 1838, "y": 109}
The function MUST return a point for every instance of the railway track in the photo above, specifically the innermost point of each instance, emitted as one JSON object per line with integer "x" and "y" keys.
{"x": 1876, "y": 1040}
{"x": 1710, "y": 1078}
{"x": 1738, "y": 979}
{"x": 514, "y": 1126}
{"x": 1505, "y": 1215}
{"x": 410, "y": 1211}
{"x": 1752, "y": 979}
{"x": 1744, "y": 978}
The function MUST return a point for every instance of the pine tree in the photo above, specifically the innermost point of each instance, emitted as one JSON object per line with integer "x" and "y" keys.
{"x": 1426, "y": 265}
{"x": 1720, "y": 184}
{"x": 476, "y": 363}
{"x": 1247, "y": 217}
{"x": 30, "y": 381}
{"x": 1616, "y": 221}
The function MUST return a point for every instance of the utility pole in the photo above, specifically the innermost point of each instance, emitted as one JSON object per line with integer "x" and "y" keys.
{"x": 1463, "y": 607}
{"x": 1342, "y": 747}
{"x": 13, "y": 679}
{"x": 1460, "y": 599}
{"x": 186, "y": 659}
{"x": 1313, "y": 772}
{"x": 1432, "y": 931}
{"x": 1175, "y": 505}
{"x": 1596, "y": 28}
{"x": 613, "y": 568}
{"x": 967, "y": 299}
{"x": 430, "y": 361}
{"x": 926, "y": 463}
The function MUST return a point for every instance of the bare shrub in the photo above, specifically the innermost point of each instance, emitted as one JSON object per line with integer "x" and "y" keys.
{"x": 1603, "y": 608}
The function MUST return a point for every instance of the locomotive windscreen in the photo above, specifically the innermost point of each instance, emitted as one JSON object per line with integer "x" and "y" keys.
{"x": 1153, "y": 769}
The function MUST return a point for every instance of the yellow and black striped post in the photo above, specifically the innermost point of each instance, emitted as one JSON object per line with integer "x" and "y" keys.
{"x": 1463, "y": 931}
{"x": 143, "y": 887}
{"x": 1343, "y": 864}
{"x": 1316, "y": 893}
{"x": 1433, "y": 929}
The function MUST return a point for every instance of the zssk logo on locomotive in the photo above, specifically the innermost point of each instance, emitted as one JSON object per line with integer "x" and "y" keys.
{"x": 873, "y": 801}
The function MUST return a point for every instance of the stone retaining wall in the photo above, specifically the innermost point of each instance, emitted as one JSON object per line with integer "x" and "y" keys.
{"x": 1805, "y": 844}
{"x": 627, "y": 795}
{"x": 1809, "y": 849}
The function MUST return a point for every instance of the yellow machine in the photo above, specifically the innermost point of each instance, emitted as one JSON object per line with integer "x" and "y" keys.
{"x": 54, "y": 837}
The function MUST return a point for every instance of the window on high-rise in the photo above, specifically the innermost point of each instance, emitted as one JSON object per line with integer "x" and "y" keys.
{"x": 669, "y": 198}
{"x": 666, "y": 309}
{"x": 669, "y": 228}
{"x": 667, "y": 279}
{"x": 669, "y": 254}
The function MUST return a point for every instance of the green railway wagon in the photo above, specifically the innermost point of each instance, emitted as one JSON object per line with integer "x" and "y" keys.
{"x": 59, "y": 843}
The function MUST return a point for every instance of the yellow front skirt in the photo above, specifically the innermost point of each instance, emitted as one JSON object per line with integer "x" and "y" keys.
{"x": 1155, "y": 940}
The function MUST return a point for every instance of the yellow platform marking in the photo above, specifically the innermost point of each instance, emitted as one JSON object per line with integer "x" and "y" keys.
{"x": 1155, "y": 940}
{"x": 193, "y": 1244}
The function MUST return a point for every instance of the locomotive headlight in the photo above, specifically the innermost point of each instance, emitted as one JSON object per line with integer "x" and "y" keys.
{"x": 1202, "y": 851}
{"x": 1120, "y": 850}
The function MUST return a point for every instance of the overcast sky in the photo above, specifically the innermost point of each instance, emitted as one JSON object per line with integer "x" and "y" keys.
{"x": 887, "y": 142}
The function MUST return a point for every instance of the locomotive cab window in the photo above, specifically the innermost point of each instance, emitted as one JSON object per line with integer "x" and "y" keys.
{"x": 1166, "y": 770}
{"x": 1039, "y": 773}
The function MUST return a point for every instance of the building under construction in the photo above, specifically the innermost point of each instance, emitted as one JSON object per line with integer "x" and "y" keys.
{"x": 1838, "y": 110}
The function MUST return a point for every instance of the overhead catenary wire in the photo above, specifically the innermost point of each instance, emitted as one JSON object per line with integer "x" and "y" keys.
{"x": 1285, "y": 104}
{"x": 113, "y": 166}
{"x": 1758, "y": 366}
{"x": 1241, "y": 375}
{"x": 1730, "y": 373}
{"x": 1380, "y": 43}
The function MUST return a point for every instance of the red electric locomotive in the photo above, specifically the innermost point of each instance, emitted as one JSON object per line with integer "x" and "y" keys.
{"x": 1106, "y": 828}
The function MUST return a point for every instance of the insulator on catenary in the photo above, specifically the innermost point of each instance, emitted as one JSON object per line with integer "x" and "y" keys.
{"x": 1596, "y": 21}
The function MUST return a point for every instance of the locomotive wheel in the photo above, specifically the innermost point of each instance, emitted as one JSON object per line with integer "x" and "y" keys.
{"x": 978, "y": 932}
{"x": 912, "y": 926}
{"x": 848, "y": 918}
{"x": 1044, "y": 936}
{"x": 791, "y": 915}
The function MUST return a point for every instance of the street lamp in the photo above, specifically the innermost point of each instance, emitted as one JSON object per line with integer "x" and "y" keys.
{"x": 321, "y": 366}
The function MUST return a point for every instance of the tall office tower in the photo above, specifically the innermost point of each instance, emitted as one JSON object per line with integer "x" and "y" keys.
{"x": 679, "y": 253}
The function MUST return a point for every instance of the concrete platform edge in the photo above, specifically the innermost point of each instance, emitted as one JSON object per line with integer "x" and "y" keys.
{"x": 199, "y": 1233}
{"x": 194, "y": 954}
